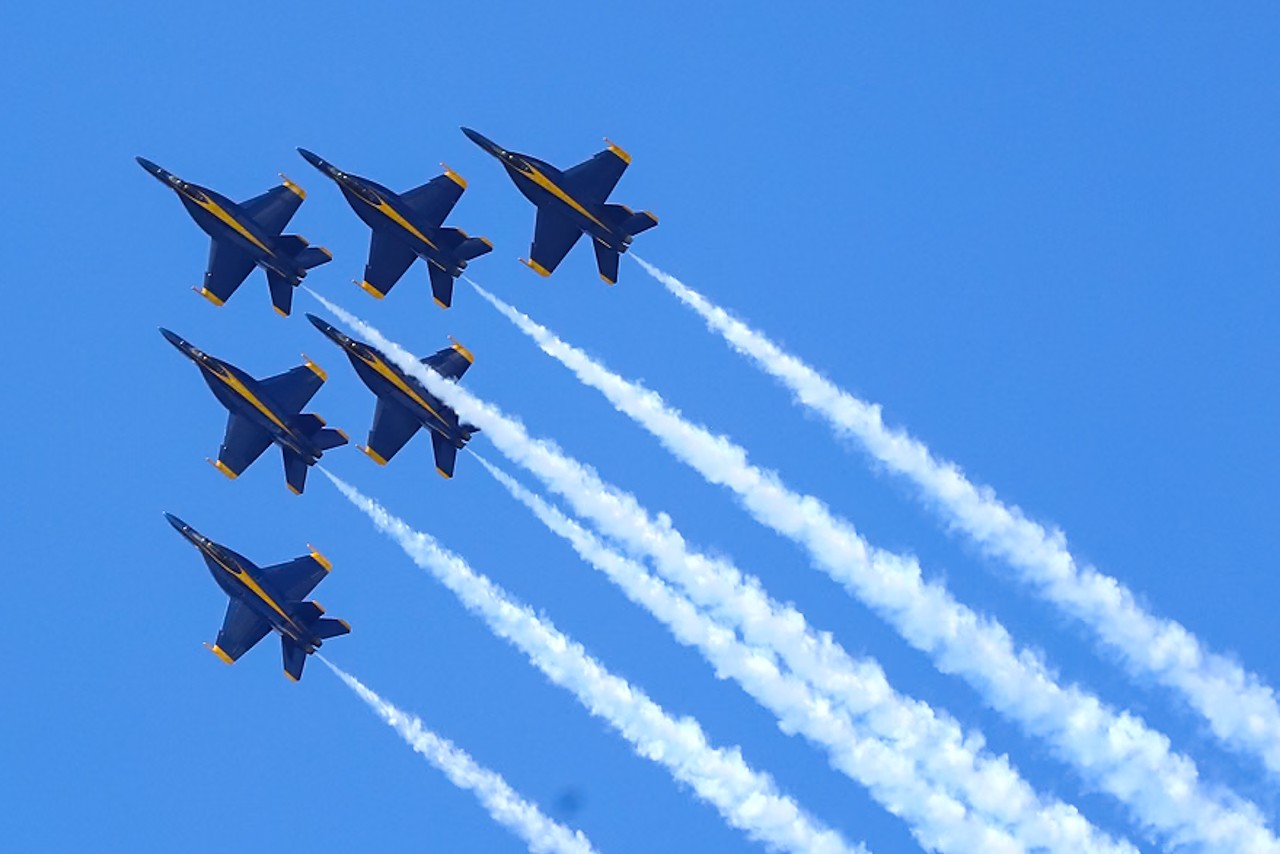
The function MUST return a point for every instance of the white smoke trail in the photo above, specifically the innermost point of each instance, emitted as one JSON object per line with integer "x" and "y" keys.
{"x": 895, "y": 772}
{"x": 747, "y": 799}
{"x": 1117, "y": 751}
{"x": 521, "y": 817}
{"x": 1241, "y": 709}
{"x": 992, "y": 788}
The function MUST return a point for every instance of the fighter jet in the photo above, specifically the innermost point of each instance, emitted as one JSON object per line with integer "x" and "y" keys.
{"x": 408, "y": 226}
{"x": 245, "y": 235}
{"x": 266, "y": 411}
{"x": 404, "y": 404}
{"x": 570, "y": 203}
{"x": 267, "y": 598}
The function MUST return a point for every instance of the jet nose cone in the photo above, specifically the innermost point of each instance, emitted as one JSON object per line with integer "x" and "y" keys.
{"x": 330, "y": 333}
{"x": 159, "y": 173}
{"x": 483, "y": 141}
{"x": 174, "y": 339}
{"x": 181, "y": 526}
{"x": 315, "y": 160}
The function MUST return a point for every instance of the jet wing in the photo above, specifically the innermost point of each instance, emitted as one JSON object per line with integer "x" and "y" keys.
{"x": 446, "y": 454}
{"x": 293, "y": 389}
{"x": 388, "y": 259}
{"x": 393, "y": 425}
{"x": 243, "y": 443}
{"x": 241, "y": 629}
{"x": 448, "y": 363}
{"x": 227, "y": 270}
{"x": 434, "y": 199}
{"x": 553, "y": 237}
{"x": 591, "y": 181}
{"x": 274, "y": 208}
{"x": 298, "y": 577}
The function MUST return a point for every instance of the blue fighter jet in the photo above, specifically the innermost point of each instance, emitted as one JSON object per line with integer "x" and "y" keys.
{"x": 265, "y": 599}
{"x": 408, "y": 226}
{"x": 246, "y": 235}
{"x": 573, "y": 202}
{"x": 266, "y": 411}
{"x": 404, "y": 404}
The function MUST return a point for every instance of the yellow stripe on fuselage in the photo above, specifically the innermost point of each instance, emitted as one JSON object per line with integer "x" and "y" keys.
{"x": 547, "y": 184}
{"x": 240, "y": 389}
{"x": 247, "y": 580}
{"x": 216, "y": 209}
{"x": 393, "y": 378}
{"x": 394, "y": 215}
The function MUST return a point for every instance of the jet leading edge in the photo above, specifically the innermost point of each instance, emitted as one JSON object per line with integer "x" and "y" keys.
{"x": 267, "y": 598}
{"x": 572, "y": 203}
{"x": 408, "y": 226}
{"x": 404, "y": 404}
{"x": 247, "y": 235}
{"x": 263, "y": 412}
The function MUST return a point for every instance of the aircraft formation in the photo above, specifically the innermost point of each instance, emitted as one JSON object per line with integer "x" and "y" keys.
{"x": 404, "y": 227}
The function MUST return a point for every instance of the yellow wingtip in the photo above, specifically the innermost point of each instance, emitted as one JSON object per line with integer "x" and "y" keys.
{"x": 371, "y": 290}
{"x": 454, "y": 176}
{"x": 466, "y": 354}
{"x": 535, "y": 267}
{"x": 317, "y": 370}
{"x": 278, "y": 310}
{"x": 291, "y": 677}
{"x": 439, "y": 302}
{"x": 443, "y": 473}
{"x": 222, "y": 467}
{"x": 616, "y": 149}
{"x": 204, "y": 292}
{"x": 319, "y": 558}
{"x": 218, "y": 651}
{"x": 608, "y": 281}
{"x": 293, "y": 488}
{"x": 301, "y": 193}
{"x": 372, "y": 454}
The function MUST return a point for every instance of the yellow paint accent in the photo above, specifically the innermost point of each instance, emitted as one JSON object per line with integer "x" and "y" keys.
{"x": 394, "y": 215}
{"x": 371, "y": 290}
{"x": 318, "y": 371}
{"x": 216, "y": 209}
{"x": 551, "y": 187}
{"x": 204, "y": 292}
{"x": 346, "y": 624}
{"x": 325, "y": 251}
{"x": 218, "y": 651}
{"x": 536, "y": 267}
{"x": 318, "y": 606}
{"x": 440, "y": 472}
{"x": 626, "y": 158}
{"x": 607, "y": 280}
{"x": 389, "y": 375}
{"x": 280, "y": 312}
{"x": 247, "y": 580}
{"x": 301, "y": 193}
{"x": 319, "y": 558}
{"x": 487, "y": 242}
{"x": 466, "y": 354}
{"x": 373, "y": 455}
{"x": 342, "y": 433}
{"x": 292, "y": 678}
{"x": 454, "y": 176}
{"x": 293, "y": 489}
{"x": 651, "y": 216}
{"x": 240, "y": 389}
{"x": 222, "y": 467}
{"x": 439, "y": 303}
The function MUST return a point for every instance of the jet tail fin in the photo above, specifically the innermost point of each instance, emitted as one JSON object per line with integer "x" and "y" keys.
{"x": 607, "y": 261}
{"x": 295, "y": 472}
{"x": 294, "y": 658}
{"x": 446, "y": 454}
{"x": 281, "y": 293}
{"x": 441, "y": 286}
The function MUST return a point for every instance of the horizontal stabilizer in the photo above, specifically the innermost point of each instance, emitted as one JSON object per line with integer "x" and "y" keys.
{"x": 327, "y": 627}
{"x": 295, "y": 472}
{"x": 306, "y": 613}
{"x": 281, "y": 293}
{"x": 294, "y": 658}
{"x": 313, "y": 256}
{"x": 473, "y": 247}
{"x": 331, "y": 437}
{"x": 637, "y": 223}
{"x": 291, "y": 244}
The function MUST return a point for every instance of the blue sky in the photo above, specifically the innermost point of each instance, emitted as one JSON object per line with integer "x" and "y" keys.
{"x": 1044, "y": 240}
